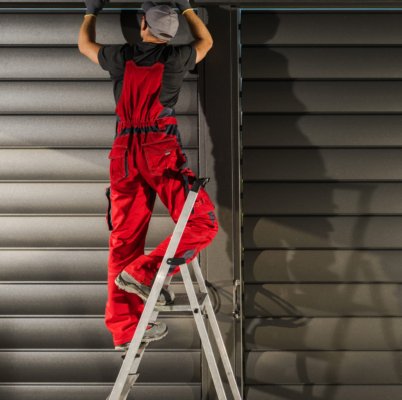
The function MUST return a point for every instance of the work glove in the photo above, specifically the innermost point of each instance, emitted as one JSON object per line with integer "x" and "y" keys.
{"x": 94, "y": 6}
{"x": 182, "y": 5}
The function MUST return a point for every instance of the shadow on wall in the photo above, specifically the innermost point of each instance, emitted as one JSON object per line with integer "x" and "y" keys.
{"x": 266, "y": 232}
{"x": 290, "y": 302}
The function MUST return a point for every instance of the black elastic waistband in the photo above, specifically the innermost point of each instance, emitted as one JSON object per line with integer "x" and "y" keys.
{"x": 166, "y": 112}
{"x": 171, "y": 129}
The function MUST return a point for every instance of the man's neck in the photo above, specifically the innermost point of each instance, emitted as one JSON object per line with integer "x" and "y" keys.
{"x": 153, "y": 41}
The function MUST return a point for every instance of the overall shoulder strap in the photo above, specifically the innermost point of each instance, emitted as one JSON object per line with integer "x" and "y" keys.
{"x": 128, "y": 52}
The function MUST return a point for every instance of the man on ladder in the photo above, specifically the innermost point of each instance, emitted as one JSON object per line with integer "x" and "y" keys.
{"x": 146, "y": 159}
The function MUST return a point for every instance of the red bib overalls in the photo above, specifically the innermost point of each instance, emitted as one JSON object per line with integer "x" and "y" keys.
{"x": 146, "y": 159}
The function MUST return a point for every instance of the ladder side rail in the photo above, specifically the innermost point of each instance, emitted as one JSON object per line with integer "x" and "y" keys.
{"x": 132, "y": 351}
{"x": 138, "y": 359}
{"x": 216, "y": 332}
{"x": 202, "y": 330}
{"x": 198, "y": 275}
{"x": 222, "y": 349}
{"x": 153, "y": 297}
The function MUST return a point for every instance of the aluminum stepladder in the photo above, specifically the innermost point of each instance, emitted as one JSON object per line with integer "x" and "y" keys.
{"x": 199, "y": 304}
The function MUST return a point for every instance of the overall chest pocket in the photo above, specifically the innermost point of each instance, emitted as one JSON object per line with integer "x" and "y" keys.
{"x": 162, "y": 155}
{"x": 118, "y": 156}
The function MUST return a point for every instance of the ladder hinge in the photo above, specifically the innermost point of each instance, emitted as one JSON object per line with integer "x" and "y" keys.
{"x": 176, "y": 261}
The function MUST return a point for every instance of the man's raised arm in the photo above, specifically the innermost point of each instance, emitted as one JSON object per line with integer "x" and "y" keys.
{"x": 87, "y": 36}
{"x": 203, "y": 39}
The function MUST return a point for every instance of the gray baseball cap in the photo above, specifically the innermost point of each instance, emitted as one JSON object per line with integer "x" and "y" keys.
{"x": 162, "y": 20}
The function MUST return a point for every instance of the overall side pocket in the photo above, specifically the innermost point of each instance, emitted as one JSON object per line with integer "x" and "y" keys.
{"x": 162, "y": 155}
{"x": 118, "y": 156}
{"x": 109, "y": 209}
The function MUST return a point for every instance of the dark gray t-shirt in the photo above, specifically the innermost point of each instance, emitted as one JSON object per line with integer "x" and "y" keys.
{"x": 177, "y": 60}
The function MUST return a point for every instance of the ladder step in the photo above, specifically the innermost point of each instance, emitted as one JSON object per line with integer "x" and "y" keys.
{"x": 181, "y": 303}
{"x": 140, "y": 352}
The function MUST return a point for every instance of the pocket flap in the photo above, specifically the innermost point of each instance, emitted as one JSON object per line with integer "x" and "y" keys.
{"x": 117, "y": 151}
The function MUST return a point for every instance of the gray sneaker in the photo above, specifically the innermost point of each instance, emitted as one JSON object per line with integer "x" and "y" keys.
{"x": 157, "y": 331}
{"x": 128, "y": 283}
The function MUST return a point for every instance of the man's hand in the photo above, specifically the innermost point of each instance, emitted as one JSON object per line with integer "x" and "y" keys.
{"x": 182, "y": 5}
{"x": 94, "y": 6}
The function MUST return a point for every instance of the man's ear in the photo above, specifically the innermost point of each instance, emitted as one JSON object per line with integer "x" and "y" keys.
{"x": 143, "y": 23}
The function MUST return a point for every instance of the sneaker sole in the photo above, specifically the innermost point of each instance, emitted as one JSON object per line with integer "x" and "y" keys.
{"x": 131, "y": 288}
{"x": 154, "y": 339}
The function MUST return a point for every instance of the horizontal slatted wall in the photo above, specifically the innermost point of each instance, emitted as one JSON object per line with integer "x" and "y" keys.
{"x": 322, "y": 196}
{"x": 57, "y": 126}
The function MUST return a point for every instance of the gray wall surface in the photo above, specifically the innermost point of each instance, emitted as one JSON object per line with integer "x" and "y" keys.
{"x": 322, "y": 169}
{"x": 320, "y": 144}
{"x": 56, "y": 127}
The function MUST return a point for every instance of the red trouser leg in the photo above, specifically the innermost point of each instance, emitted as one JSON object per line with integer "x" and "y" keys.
{"x": 158, "y": 158}
{"x": 132, "y": 201}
